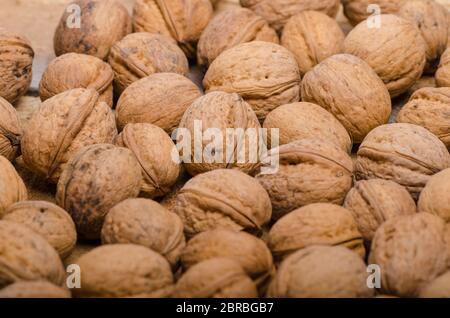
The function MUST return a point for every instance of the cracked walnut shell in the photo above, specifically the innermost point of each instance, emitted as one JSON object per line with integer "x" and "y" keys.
{"x": 435, "y": 198}
{"x": 12, "y": 188}
{"x": 10, "y": 130}
{"x": 34, "y": 289}
{"x": 357, "y": 11}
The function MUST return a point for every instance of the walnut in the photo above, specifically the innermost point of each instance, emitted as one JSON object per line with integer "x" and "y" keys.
{"x": 145, "y": 222}
{"x": 95, "y": 180}
{"x": 430, "y": 108}
{"x": 101, "y": 24}
{"x": 404, "y": 153}
{"x": 159, "y": 99}
{"x": 12, "y": 188}
{"x": 347, "y": 87}
{"x": 222, "y": 198}
{"x": 312, "y": 36}
{"x": 10, "y": 130}
{"x": 435, "y": 198}
{"x": 124, "y": 270}
{"x": 310, "y": 171}
{"x": 265, "y": 74}
{"x": 182, "y": 20}
{"x": 321, "y": 271}
{"x": 63, "y": 125}
{"x": 215, "y": 278}
{"x": 443, "y": 71}
{"x": 230, "y": 28}
{"x": 74, "y": 70}
{"x": 141, "y": 54}
{"x": 34, "y": 289}
{"x": 27, "y": 256}
{"x": 359, "y": 10}
{"x": 395, "y": 50}
{"x": 438, "y": 288}
{"x": 278, "y": 12}
{"x": 408, "y": 250}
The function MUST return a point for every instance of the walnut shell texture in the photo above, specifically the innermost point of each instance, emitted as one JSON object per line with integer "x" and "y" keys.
{"x": 434, "y": 197}
{"x": 12, "y": 188}
{"x": 357, "y": 11}
{"x": 96, "y": 179}
{"x": 438, "y": 288}
{"x": 10, "y": 130}
{"x": 34, "y": 289}
{"x": 443, "y": 71}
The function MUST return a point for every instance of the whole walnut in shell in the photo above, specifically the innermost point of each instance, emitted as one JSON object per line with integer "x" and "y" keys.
{"x": 10, "y": 130}
{"x": 404, "y": 153}
{"x": 34, "y": 289}
{"x": 359, "y": 10}
{"x": 430, "y": 108}
{"x": 141, "y": 54}
{"x": 374, "y": 201}
{"x": 230, "y": 28}
{"x": 312, "y": 36}
{"x": 215, "y": 278}
{"x": 124, "y": 270}
{"x": 321, "y": 271}
{"x": 310, "y": 171}
{"x": 438, "y": 288}
{"x": 409, "y": 250}
{"x": 27, "y": 256}
{"x": 97, "y": 178}
{"x": 63, "y": 125}
{"x": 101, "y": 24}
{"x": 265, "y": 74}
{"x": 74, "y": 70}
{"x": 435, "y": 198}
{"x": 347, "y": 87}
{"x": 145, "y": 222}
{"x": 159, "y": 99}
{"x": 182, "y": 20}
{"x": 223, "y": 198}
{"x": 16, "y": 60}
{"x": 396, "y": 51}
{"x": 443, "y": 71}
{"x": 153, "y": 149}
{"x": 12, "y": 188}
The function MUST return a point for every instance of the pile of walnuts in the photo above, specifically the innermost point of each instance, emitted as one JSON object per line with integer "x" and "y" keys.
{"x": 356, "y": 184}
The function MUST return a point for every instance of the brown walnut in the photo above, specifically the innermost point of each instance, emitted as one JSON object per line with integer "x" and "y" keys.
{"x": 443, "y": 71}
{"x": 12, "y": 188}
{"x": 435, "y": 198}
{"x": 358, "y": 10}
{"x": 10, "y": 130}
{"x": 438, "y": 288}
{"x": 34, "y": 289}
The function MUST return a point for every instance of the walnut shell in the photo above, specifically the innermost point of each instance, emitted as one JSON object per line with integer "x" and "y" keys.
{"x": 408, "y": 250}
{"x": 222, "y": 198}
{"x": 312, "y": 36}
{"x": 357, "y": 11}
{"x": 182, "y": 20}
{"x": 141, "y": 54}
{"x": 404, "y": 153}
{"x": 395, "y": 50}
{"x": 278, "y": 12}
{"x": 215, "y": 278}
{"x": 430, "y": 108}
{"x": 159, "y": 99}
{"x": 220, "y": 111}
{"x": 153, "y": 149}
{"x": 97, "y": 178}
{"x": 102, "y": 23}
{"x": 145, "y": 222}
{"x": 230, "y": 28}
{"x": 12, "y": 188}
{"x": 306, "y": 120}
{"x": 16, "y": 60}
{"x": 310, "y": 171}
{"x": 347, "y": 87}
{"x": 74, "y": 70}
{"x": 34, "y": 289}
{"x": 27, "y": 256}
{"x": 10, "y": 130}
{"x": 124, "y": 270}
{"x": 435, "y": 198}
{"x": 443, "y": 72}
{"x": 438, "y": 288}
{"x": 321, "y": 271}
{"x": 265, "y": 74}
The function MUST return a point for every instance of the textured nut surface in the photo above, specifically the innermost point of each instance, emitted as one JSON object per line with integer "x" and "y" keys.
{"x": 312, "y": 36}
{"x": 265, "y": 74}
{"x": 73, "y": 70}
{"x": 159, "y": 99}
{"x": 63, "y": 125}
{"x": 357, "y": 10}
{"x": 96, "y": 179}
{"x": 222, "y": 198}
{"x": 141, "y": 54}
{"x": 438, "y": 288}
{"x": 124, "y": 270}
{"x": 404, "y": 153}
{"x": 36, "y": 289}
{"x": 102, "y": 23}
{"x": 443, "y": 72}
{"x": 435, "y": 198}
{"x": 12, "y": 188}
{"x": 153, "y": 150}
{"x": 396, "y": 51}
{"x": 145, "y": 222}
{"x": 10, "y": 130}
{"x": 347, "y": 87}
{"x": 27, "y": 256}
{"x": 321, "y": 271}
{"x": 215, "y": 278}
{"x": 16, "y": 59}
{"x": 409, "y": 250}
{"x": 230, "y": 28}
{"x": 310, "y": 171}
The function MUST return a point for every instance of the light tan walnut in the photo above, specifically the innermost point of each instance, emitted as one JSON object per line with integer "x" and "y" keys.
{"x": 10, "y": 130}
{"x": 438, "y": 288}
{"x": 435, "y": 198}
{"x": 12, "y": 188}
{"x": 34, "y": 289}
{"x": 359, "y": 10}
{"x": 443, "y": 71}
